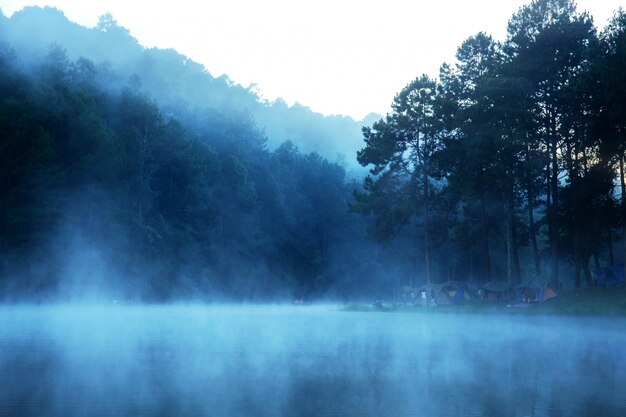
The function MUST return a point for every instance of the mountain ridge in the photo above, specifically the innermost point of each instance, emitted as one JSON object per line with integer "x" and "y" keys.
{"x": 181, "y": 85}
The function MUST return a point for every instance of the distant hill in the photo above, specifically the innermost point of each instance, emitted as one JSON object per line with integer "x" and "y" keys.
{"x": 370, "y": 119}
{"x": 179, "y": 85}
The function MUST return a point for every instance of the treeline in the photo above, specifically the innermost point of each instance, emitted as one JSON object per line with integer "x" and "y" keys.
{"x": 134, "y": 173}
{"x": 511, "y": 165}
{"x": 180, "y": 86}
{"x": 102, "y": 194}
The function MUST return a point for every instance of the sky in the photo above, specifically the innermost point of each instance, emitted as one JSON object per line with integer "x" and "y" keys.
{"x": 334, "y": 56}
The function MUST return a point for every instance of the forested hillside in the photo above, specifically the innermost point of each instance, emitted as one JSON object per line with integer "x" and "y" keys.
{"x": 180, "y": 86}
{"x": 132, "y": 172}
{"x": 103, "y": 194}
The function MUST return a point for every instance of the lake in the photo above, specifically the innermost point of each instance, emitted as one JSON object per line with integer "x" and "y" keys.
{"x": 256, "y": 361}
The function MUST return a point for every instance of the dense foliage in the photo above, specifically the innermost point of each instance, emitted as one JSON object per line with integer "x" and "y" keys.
{"x": 514, "y": 159}
{"x": 179, "y": 85}
{"x": 132, "y": 172}
{"x": 101, "y": 191}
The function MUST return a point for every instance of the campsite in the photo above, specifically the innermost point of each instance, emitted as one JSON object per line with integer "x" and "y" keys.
{"x": 497, "y": 297}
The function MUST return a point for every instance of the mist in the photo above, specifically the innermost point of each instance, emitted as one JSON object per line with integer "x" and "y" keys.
{"x": 180, "y": 86}
{"x": 136, "y": 175}
{"x": 135, "y": 172}
{"x": 173, "y": 244}
{"x": 291, "y": 361}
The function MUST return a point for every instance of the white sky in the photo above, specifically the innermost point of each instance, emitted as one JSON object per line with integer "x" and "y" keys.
{"x": 334, "y": 56}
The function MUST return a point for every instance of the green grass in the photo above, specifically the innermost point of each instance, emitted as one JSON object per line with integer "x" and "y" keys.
{"x": 587, "y": 302}
{"x": 581, "y": 302}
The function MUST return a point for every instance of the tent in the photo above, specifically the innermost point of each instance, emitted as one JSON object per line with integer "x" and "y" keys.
{"x": 534, "y": 291}
{"x": 547, "y": 293}
{"x": 458, "y": 292}
{"x": 610, "y": 276}
{"x": 495, "y": 291}
{"x": 436, "y": 291}
{"x": 448, "y": 293}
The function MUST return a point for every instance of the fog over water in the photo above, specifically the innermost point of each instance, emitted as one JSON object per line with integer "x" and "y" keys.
{"x": 304, "y": 361}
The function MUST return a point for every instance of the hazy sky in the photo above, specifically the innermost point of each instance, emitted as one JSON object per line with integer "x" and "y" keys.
{"x": 335, "y": 56}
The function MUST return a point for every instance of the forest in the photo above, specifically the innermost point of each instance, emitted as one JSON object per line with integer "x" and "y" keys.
{"x": 513, "y": 160}
{"x": 118, "y": 182}
{"x": 132, "y": 172}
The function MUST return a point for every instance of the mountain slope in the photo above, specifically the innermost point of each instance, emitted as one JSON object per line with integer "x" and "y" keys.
{"x": 179, "y": 85}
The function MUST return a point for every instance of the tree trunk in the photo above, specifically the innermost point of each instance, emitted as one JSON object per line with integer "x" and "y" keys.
{"x": 577, "y": 273}
{"x": 588, "y": 277}
{"x": 509, "y": 247}
{"x": 414, "y": 269}
{"x": 485, "y": 227}
{"x": 426, "y": 228}
{"x": 471, "y": 264}
{"x": 623, "y": 183}
{"x": 572, "y": 171}
{"x": 517, "y": 275}
{"x": 530, "y": 198}
{"x": 533, "y": 232}
{"x": 577, "y": 234}
{"x": 554, "y": 232}
{"x": 609, "y": 228}
{"x": 512, "y": 253}
{"x": 549, "y": 198}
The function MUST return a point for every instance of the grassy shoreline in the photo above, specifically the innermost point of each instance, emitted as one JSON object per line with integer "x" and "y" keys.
{"x": 597, "y": 302}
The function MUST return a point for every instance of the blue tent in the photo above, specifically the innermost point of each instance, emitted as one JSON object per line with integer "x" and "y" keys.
{"x": 610, "y": 276}
{"x": 458, "y": 292}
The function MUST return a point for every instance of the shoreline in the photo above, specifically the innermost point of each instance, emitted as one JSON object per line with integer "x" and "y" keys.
{"x": 595, "y": 302}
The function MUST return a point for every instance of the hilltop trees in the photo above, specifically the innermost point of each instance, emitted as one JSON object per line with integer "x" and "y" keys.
{"x": 530, "y": 126}
{"x": 181, "y": 87}
{"x": 167, "y": 211}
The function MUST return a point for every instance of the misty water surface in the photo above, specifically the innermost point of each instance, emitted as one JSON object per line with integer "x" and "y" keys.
{"x": 304, "y": 361}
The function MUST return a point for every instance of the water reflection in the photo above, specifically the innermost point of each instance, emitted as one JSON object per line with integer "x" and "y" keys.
{"x": 255, "y": 361}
